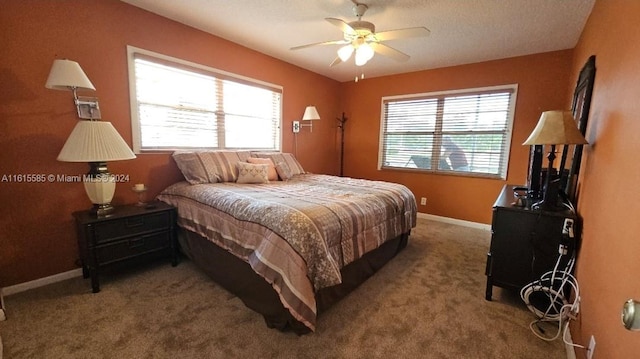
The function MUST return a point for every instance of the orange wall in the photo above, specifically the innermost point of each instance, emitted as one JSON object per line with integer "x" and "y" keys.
{"x": 542, "y": 81}
{"x": 608, "y": 267}
{"x": 38, "y": 235}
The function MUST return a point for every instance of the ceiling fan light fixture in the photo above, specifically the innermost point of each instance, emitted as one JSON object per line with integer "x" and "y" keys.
{"x": 344, "y": 53}
{"x": 360, "y": 37}
{"x": 364, "y": 53}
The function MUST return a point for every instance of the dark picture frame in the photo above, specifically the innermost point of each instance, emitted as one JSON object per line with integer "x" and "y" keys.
{"x": 572, "y": 154}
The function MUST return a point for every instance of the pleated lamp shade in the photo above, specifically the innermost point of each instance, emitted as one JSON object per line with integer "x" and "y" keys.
{"x": 95, "y": 141}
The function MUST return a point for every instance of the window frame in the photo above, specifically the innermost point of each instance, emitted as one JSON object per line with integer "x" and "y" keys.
{"x": 136, "y": 131}
{"x": 508, "y": 133}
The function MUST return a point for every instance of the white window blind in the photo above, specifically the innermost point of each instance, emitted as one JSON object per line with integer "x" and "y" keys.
{"x": 178, "y": 105}
{"x": 464, "y": 132}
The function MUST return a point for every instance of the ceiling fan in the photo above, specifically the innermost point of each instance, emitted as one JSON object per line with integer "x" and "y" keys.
{"x": 361, "y": 38}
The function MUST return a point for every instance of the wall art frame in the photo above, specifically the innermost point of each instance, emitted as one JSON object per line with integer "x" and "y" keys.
{"x": 572, "y": 154}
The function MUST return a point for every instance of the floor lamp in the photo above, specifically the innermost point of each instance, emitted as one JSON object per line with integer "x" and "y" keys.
{"x": 554, "y": 128}
{"x": 341, "y": 122}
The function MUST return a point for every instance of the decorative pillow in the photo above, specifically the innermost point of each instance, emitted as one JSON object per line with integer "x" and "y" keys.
{"x": 192, "y": 168}
{"x": 283, "y": 171}
{"x": 273, "y": 175}
{"x": 221, "y": 165}
{"x": 252, "y": 173}
{"x": 285, "y": 159}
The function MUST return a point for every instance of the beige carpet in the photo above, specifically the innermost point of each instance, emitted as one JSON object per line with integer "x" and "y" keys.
{"x": 426, "y": 303}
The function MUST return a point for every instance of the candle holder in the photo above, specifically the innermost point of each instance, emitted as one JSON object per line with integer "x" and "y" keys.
{"x": 140, "y": 192}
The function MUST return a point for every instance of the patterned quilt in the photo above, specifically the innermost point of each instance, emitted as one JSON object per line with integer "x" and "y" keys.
{"x": 296, "y": 234}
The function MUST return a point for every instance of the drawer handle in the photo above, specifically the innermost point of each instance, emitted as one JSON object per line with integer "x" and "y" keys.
{"x": 134, "y": 222}
{"x": 136, "y": 242}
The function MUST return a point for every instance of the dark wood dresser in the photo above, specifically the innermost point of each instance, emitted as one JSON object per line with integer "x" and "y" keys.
{"x": 132, "y": 233}
{"x": 524, "y": 242}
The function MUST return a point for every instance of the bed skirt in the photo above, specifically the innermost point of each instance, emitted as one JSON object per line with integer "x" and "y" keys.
{"x": 237, "y": 276}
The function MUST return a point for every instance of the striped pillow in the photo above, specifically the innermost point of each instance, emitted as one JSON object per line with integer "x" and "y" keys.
{"x": 192, "y": 168}
{"x": 210, "y": 166}
{"x": 221, "y": 165}
{"x": 283, "y": 171}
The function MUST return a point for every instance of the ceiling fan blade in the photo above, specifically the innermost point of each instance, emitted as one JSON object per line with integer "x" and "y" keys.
{"x": 342, "y": 25}
{"x": 389, "y": 52}
{"x": 335, "y": 62}
{"x": 333, "y": 42}
{"x": 402, "y": 33}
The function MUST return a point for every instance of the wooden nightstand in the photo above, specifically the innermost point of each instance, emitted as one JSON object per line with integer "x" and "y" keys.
{"x": 130, "y": 234}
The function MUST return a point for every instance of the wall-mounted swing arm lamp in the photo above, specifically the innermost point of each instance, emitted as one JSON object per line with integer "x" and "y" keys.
{"x": 310, "y": 114}
{"x": 554, "y": 128}
{"x": 68, "y": 75}
{"x": 91, "y": 140}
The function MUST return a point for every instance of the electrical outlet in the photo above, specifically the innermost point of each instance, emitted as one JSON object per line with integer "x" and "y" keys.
{"x": 296, "y": 126}
{"x": 591, "y": 348}
{"x": 423, "y": 201}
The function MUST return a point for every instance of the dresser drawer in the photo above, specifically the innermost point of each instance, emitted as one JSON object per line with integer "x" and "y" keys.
{"x": 133, "y": 247}
{"x": 116, "y": 229}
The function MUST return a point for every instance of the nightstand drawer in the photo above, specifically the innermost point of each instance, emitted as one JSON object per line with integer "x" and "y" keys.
{"x": 130, "y": 226}
{"x": 132, "y": 247}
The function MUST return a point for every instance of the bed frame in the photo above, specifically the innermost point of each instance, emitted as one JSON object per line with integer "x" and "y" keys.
{"x": 237, "y": 276}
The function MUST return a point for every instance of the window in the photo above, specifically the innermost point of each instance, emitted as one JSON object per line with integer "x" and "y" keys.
{"x": 465, "y": 132}
{"x": 180, "y": 105}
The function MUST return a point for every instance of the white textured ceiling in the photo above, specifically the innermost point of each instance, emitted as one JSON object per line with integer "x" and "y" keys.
{"x": 462, "y": 31}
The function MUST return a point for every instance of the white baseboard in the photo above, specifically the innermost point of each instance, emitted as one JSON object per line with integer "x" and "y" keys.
{"x": 458, "y": 222}
{"x": 21, "y": 287}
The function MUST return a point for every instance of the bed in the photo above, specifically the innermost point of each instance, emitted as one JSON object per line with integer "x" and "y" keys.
{"x": 291, "y": 246}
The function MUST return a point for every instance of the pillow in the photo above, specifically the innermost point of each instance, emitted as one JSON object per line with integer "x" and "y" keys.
{"x": 273, "y": 175}
{"x": 285, "y": 159}
{"x": 192, "y": 168}
{"x": 283, "y": 171}
{"x": 252, "y": 173}
{"x": 221, "y": 165}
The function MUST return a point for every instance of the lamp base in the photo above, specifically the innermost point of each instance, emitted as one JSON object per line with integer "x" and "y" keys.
{"x": 547, "y": 206}
{"x": 102, "y": 210}
{"x": 100, "y": 186}
{"x": 551, "y": 195}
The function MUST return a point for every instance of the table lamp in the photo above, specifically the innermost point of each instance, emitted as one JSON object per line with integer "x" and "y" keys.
{"x": 91, "y": 140}
{"x": 554, "y": 128}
